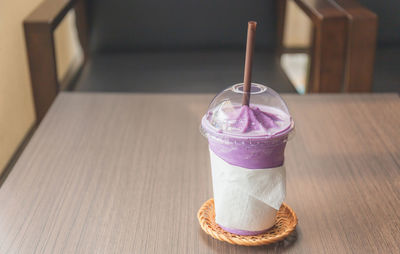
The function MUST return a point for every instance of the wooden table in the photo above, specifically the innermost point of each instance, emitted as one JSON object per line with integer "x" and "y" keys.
{"x": 126, "y": 173}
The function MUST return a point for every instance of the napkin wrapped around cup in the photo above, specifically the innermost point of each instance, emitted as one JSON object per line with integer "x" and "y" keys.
{"x": 246, "y": 200}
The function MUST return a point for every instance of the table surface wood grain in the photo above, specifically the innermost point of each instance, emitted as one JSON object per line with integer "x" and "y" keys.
{"x": 126, "y": 173}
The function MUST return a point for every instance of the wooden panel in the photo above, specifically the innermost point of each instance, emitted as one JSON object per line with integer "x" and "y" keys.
{"x": 50, "y": 12}
{"x": 126, "y": 173}
{"x": 42, "y": 65}
{"x": 39, "y": 36}
{"x": 319, "y": 9}
{"x": 280, "y": 23}
{"x": 362, "y": 32}
{"x": 328, "y": 56}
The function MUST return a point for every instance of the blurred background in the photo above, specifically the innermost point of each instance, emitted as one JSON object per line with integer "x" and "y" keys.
{"x": 190, "y": 46}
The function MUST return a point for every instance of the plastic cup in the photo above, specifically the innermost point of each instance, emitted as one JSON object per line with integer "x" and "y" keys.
{"x": 246, "y": 144}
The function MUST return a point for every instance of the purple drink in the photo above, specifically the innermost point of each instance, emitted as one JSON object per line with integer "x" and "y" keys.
{"x": 247, "y": 146}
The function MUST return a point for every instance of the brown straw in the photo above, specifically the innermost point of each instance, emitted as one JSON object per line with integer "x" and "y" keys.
{"x": 251, "y": 34}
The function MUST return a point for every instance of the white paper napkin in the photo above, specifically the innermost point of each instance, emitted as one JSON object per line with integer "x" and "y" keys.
{"x": 246, "y": 199}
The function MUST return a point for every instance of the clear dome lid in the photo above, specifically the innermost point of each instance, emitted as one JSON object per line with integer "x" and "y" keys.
{"x": 266, "y": 116}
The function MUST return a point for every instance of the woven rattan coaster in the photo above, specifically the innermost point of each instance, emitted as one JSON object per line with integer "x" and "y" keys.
{"x": 286, "y": 221}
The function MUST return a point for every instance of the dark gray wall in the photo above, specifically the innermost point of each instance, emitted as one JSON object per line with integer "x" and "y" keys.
{"x": 179, "y": 24}
{"x": 388, "y": 12}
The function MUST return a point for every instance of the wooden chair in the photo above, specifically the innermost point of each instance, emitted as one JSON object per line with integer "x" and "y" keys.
{"x": 343, "y": 41}
{"x": 343, "y": 45}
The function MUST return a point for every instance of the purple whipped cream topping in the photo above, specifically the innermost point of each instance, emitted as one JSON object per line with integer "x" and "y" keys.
{"x": 252, "y": 137}
{"x": 247, "y": 121}
{"x": 253, "y": 119}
